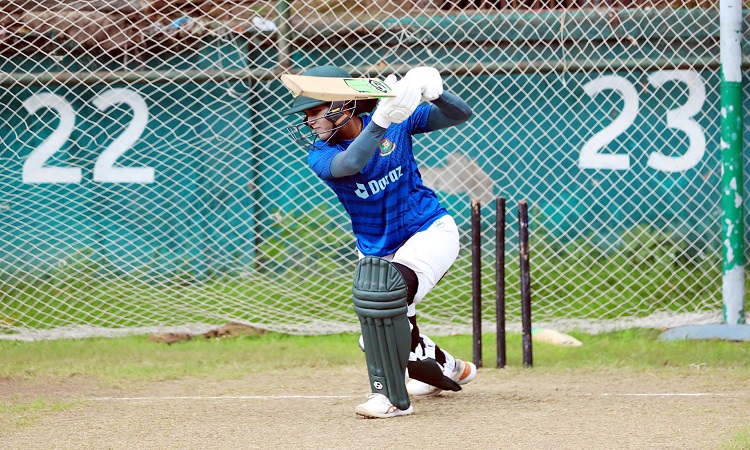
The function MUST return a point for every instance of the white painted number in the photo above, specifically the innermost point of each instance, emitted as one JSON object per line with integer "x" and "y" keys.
{"x": 679, "y": 119}
{"x": 34, "y": 168}
{"x": 104, "y": 169}
{"x": 591, "y": 158}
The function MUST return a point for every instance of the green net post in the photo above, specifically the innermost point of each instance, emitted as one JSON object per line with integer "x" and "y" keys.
{"x": 733, "y": 269}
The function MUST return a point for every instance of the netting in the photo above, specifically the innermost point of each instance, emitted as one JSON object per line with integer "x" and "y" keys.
{"x": 148, "y": 183}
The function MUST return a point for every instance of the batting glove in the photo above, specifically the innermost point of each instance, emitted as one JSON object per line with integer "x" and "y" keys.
{"x": 429, "y": 81}
{"x": 399, "y": 108}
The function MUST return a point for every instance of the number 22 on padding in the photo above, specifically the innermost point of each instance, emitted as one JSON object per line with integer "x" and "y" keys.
{"x": 680, "y": 118}
{"x": 35, "y": 170}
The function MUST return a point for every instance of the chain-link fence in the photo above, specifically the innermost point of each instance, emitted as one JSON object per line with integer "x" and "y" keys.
{"x": 147, "y": 181}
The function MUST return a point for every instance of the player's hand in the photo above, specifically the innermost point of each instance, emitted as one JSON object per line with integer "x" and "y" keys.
{"x": 399, "y": 108}
{"x": 429, "y": 81}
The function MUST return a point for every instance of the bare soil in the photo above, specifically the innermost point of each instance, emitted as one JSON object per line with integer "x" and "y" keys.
{"x": 312, "y": 409}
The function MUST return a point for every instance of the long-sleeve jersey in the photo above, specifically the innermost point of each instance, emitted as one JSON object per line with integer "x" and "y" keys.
{"x": 386, "y": 198}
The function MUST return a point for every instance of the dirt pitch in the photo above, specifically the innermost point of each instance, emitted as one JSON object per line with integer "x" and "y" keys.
{"x": 513, "y": 408}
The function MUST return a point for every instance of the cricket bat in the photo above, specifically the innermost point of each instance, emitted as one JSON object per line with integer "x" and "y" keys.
{"x": 336, "y": 89}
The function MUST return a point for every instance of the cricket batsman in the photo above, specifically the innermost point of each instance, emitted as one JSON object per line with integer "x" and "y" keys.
{"x": 406, "y": 239}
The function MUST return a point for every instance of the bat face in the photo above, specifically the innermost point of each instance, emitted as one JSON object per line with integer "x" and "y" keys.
{"x": 336, "y": 89}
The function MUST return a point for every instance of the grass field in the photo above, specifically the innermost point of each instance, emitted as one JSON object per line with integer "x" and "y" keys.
{"x": 138, "y": 359}
{"x": 135, "y": 363}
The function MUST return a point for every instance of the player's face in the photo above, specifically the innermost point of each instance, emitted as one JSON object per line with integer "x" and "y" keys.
{"x": 316, "y": 121}
{"x": 322, "y": 122}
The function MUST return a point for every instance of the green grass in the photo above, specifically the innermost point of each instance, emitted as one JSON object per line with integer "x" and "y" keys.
{"x": 135, "y": 358}
{"x": 740, "y": 440}
{"x": 19, "y": 414}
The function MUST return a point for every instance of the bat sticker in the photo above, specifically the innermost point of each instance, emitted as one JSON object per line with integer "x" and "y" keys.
{"x": 367, "y": 85}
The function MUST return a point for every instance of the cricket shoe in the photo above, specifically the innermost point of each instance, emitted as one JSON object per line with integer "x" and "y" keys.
{"x": 379, "y": 407}
{"x": 463, "y": 373}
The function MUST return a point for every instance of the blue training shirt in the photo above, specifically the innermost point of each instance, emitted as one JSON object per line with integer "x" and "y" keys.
{"x": 386, "y": 201}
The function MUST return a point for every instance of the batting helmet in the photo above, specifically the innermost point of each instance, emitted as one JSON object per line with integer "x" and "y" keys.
{"x": 339, "y": 112}
{"x": 302, "y": 103}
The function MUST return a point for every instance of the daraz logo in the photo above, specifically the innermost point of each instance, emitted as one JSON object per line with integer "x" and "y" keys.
{"x": 375, "y": 186}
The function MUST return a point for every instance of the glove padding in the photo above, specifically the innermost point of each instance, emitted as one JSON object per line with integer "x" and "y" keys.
{"x": 428, "y": 371}
{"x": 399, "y": 108}
{"x": 429, "y": 81}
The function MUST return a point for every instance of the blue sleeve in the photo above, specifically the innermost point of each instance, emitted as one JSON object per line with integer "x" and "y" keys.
{"x": 417, "y": 122}
{"x": 319, "y": 159}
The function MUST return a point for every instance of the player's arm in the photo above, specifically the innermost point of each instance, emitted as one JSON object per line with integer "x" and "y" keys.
{"x": 354, "y": 158}
{"x": 448, "y": 110}
{"x": 390, "y": 110}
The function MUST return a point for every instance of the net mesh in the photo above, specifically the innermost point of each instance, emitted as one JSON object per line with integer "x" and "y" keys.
{"x": 148, "y": 183}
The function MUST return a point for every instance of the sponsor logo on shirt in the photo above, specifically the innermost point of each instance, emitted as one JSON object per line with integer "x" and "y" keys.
{"x": 374, "y": 186}
{"x": 386, "y": 147}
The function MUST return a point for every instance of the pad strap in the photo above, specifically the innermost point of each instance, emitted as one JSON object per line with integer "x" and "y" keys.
{"x": 428, "y": 371}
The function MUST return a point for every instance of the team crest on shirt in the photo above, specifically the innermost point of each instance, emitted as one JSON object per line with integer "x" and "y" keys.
{"x": 386, "y": 147}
